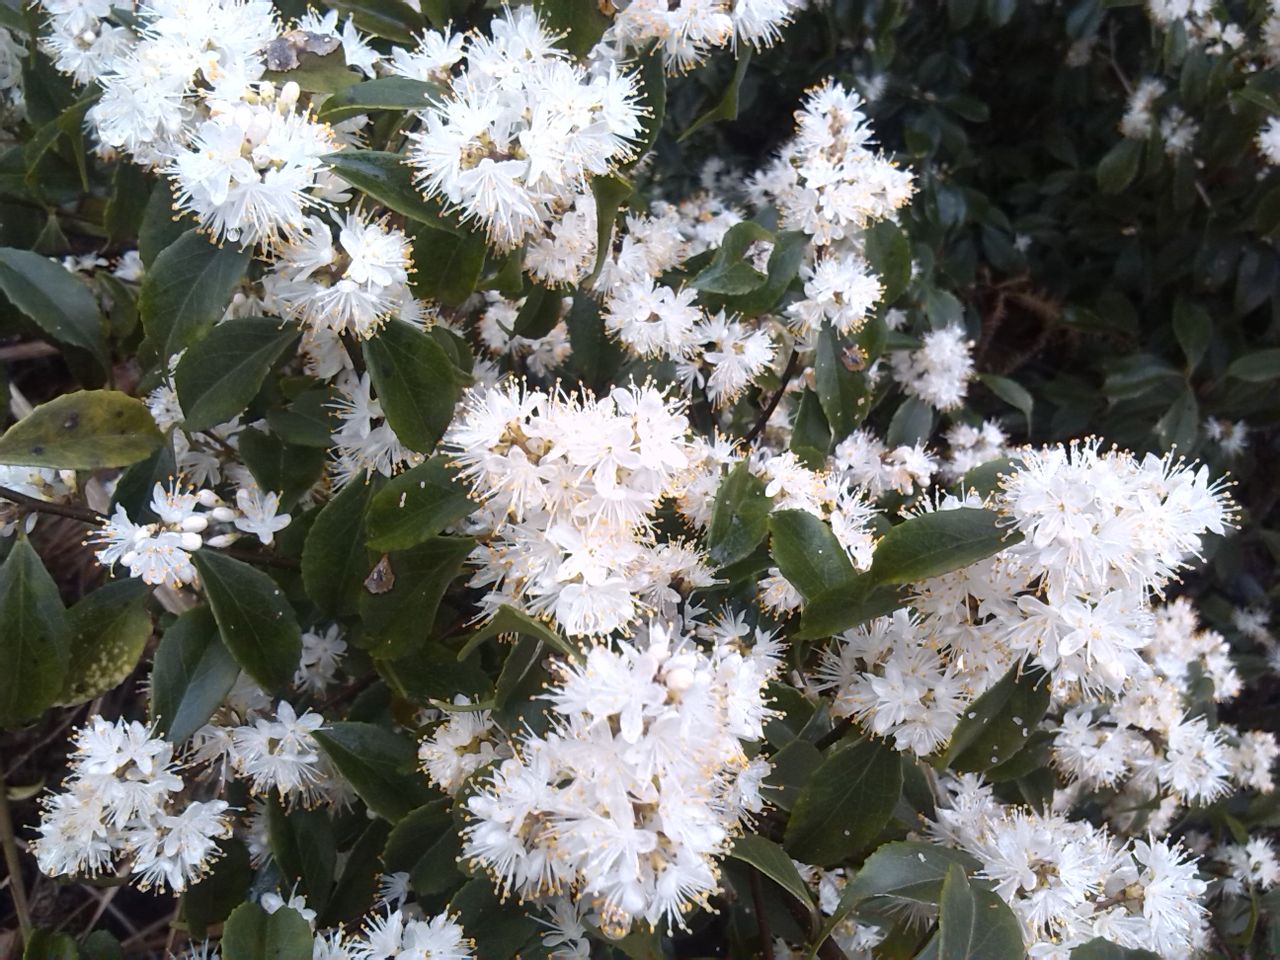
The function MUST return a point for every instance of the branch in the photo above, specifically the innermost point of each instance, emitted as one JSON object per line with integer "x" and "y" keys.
{"x": 793, "y": 363}
{"x": 16, "y": 882}
{"x": 35, "y": 505}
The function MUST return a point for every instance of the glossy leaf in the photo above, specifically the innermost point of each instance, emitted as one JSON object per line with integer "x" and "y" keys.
{"x": 381, "y": 766}
{"x": 187, "y": 290}
{"x": 996, "y": 726}
{"x": 54, "y": 298}
{"x": 416, "y": 505}
{"x": 846, "y": 804}
{"x": 192, "y": 673}
{"x": 808, "y": 553}
{"x": 335, "y": 560}
{"x": 253, "y": 934}
{"x": 771, "y": 860}
{"x": 255, "y": 621}
{"x": 218, "y": 376}
{"x": 414, "y": 381}
{"x": 398, "y": 620}
{"x": 936, "y": 543}
{"x": 387, "y": 179}
{"x": 740, "y": 517}
{"x": 973, "y": 923}
{"x": 109, "y": 629}
{"x": 384, "y": 93}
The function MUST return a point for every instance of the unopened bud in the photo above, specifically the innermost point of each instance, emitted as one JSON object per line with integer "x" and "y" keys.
{"x": 196, "y": 523}
{"x": 191, "y": 541}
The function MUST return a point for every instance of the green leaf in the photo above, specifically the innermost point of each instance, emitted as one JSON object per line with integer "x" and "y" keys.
{"x": 912, "y": 422}
{"x": 727, "y": 107}
{"x": 161, "y": 224}
{"x": 770, "y": 859}
{"x": 381, "y": 766}
{"x": 846, "y": 804}
{"x": 996, "y": 725}
{"x": 653, "y": 100}
{"x": 1119, "y": 166}
{"x": 416, "y": 505}
{"x": 1099, "y": 949}
{"x": 254, "y": 619}
{"x": 906, "y": 872}
{"x": 303, "y": 845}
{"x": 54, "y": 298}
{"x": 391, "y": 19}
{"x": 218, "y": 376}
{"x": 426, "y": 845}
{"x": 187, "y": 290}
{"x": 335, "y": 560}
{"x": 739, "y": 518}
{"x": 539, "y": 313}
{"x": 50, "y": 945}
{"x": 414, "y": 381}
{"x": 936, "y": 543}
{"x": 811, "y": 437}
{"x": 253, "y": 934}
{"x": 1179, "y": 426}
{"x": 35, "y": 642}
{"x": 385, "y": 93}
{"x": 1257, "y": 367}
{"x": 1193, "y": 327}
{"x": 808, "y": 553}
{"x": 276, "y": 465}
{"x": 847, "y": 605}
{"x": 101, "y": 945}
{"x": 84, "y": 430}
{"x": 581, "y": 21}
{"x": 400, "y": 619}
{"x": 523, "y": 675}
{"x": 609, "y": 191}
{"x": 192, "y": 674}
{"x": 728, "y": 273}
{"x": 109, "y": 629}
{"x": 509, "y": 622}
{"x": 841, "y": 391}
{"x": 448, "y": 264}
{"x": 225, "y": 887}
{"x": 784, "y": 264}
{"x": 889, "y": 254}
{"x": 308, "y": 421}
{"x": 975, "y": 924}
{"x": 503, "y": 927}
{"x": 387, "y": 179}
{"x": 1011, "y": 392}
{"x": 354, "y": 892}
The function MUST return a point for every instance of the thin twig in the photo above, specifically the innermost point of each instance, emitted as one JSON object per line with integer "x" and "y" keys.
{"x": 262, "y": 559}
{"x": 70, "y": 511}
{"x": 27, "y": 351}
{"x": 834, "y": 734}
{"x": 16, "y": 888}
{"x": 793, "y": 363}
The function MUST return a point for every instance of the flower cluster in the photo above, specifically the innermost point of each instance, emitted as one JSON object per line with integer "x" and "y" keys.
{"x": 123, "y": 802}
{"x": 627, "y": 801}
{"x": 522, "y": 129}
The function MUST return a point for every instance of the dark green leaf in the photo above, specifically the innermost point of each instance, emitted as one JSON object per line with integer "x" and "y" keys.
{"x": 353, "y": 894}
{"x": 502, "y": 928}
{"x": 727, "y": 107}
{"x": 316, "y": 73}
{"x": 728, "y": 273}
{"x": 523, "y": 674}
{"x": 1011, "y": 392}
{"x": 109, "y": 629}
{"x": 581, "y": 21}
{"x": 384, "y": 93}
{"x": 784, "y": 263}
{"x": 84, "y": 430}
{"x": 841, "y": 390}
{"x": 54, "y": 298}
{"x": 381, "y": 766}
{"x": 609, "y": 192}
{"x": 161, "y": 224}
{"x": 1119, "y": 166}
{"x": 335, "y": 560}
{"x": 414, "y": 382}
{"x": 303, "y": 845}
{"x": 1257, "y": 367}
{"x": 889, "y": 254}
{"x": 276, "y": 465}
{"x": 224, "y": 888}
{"x": 448, "y": 264}
{"x": 416, "y": 505}
{"x": 426, "y": 845}
{"x": 996, "y": 725}
{"x": 392, "y": 19}
{"x": 255, "y": 620}
{"x": 187, "y": 290}
{"x": 808, "y": 553}
{"x": 975, "y": 924}
{"x": 253, "y": 934}
{"x": 509, "y": 622}
{"x": 35, "y": 640}
{"x": 1179, "y": 426}
{"x": 192, "y": 674}
{"x": 912, "y": 423}
{"x": 1193, "y": 327}
{"x": 811, "y": 437}
{"x": 936, "y": 543}
{"x": 50, "y": 945}
{"x": 218, "y": 376}
{"x": 539, "y": 313}
{"x": 739, "y": 518}
{"x": 308, "y": 421}
{"x": 1099, "y": 949}
{"x": 847, "y": 605}
{"x": 846, "y": 804}
{"x": 398, "y": 620}
{"x": 386, "y": 179}
{"x": 771, "y": 860}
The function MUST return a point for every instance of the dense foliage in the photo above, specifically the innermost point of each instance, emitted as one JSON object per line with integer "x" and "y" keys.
{"x": 777, "y": 478}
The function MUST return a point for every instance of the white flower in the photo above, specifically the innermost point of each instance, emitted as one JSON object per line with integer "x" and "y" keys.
{"x": 257, "y": 513}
